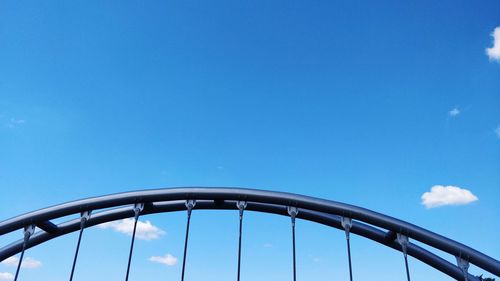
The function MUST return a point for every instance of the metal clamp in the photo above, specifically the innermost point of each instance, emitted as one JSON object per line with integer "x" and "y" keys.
{"x": 293, "y": 212}
{"x": 28, "y": 231}
{"x": 346, "y": 224}
{"x": 190, "y": 205}
{"x": 403, "y": 241}
{"x": 464, "y": 266}
{"x": 84, "y": 217}
{"x": 138, "y": 208}
{"x": 241, "y": 205}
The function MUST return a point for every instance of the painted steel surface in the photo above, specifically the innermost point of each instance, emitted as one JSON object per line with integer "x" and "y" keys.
{"x": 322, "y": 211}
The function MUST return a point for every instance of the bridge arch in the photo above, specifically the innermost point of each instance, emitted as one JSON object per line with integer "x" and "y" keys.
{"x": 378, "y": 227}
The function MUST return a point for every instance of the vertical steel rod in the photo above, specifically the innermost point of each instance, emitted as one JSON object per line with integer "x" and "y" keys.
{"x": 293, "y": 243}
{"x": 28, "y": 231}
{"x": 347, "y": 224}
{"x": 20, "y": 261}
{"x": 137, "y": 210}
{"x": 241, "y": 206}
{"x": 239, "y": 249}
{"x": 76, "y": 254}
{"x": 83, "y": 220}
{"x": 189, "y": 204}
{"x": 293, "y": 211}
{"x": 403, "y": 241}
{"x": 406, "y": 265}
{"x": 349, "y": 256}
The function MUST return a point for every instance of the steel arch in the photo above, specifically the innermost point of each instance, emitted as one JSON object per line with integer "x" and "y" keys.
{"x": 367, "y": 223}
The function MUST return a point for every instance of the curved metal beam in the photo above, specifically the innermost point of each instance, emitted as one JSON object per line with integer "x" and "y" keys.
{"x": 259, "y": 196}
{"x": 321, "y": 218}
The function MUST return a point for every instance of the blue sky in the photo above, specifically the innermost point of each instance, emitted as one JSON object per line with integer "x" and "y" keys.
{"x": 368, "y": 103}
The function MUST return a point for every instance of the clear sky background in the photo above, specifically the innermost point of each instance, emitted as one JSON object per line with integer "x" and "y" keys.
{"x": 365, "y": 102}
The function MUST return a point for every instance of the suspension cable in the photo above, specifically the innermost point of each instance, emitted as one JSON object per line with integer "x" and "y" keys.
{"x": 241, "y": 207}
{"x": 137, "y": 210}
{"x": 293, "y": 211}
{"x": 84, "y": 216}
{"x": 403, "y": 241}
{"x": 28, "y": 231}
{"x": 347, "y": 224}
{"x": 189, "y": 205}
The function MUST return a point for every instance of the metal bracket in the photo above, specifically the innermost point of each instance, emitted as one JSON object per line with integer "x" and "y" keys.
{"x": 403, "y": 241}
{"x": 241, "y": 205}
{"x": 28, "y": 231}
{"x": 293, "y": 212}
{"x": 190, "y": 205}
{"x": 464, "y": 266}
{"x": 346, "y": 224}
{"x": 84, "y": 217}
{"x": 138, "y": 208}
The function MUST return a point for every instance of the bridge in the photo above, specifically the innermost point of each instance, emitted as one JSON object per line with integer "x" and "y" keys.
{"x": 388, "y": 231}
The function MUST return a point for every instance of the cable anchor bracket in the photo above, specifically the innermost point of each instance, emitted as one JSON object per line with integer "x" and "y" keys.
{"x": 347, "y": 225}
{"x": 403, "y": 241}
{"x": 292, "y": 212}
{"x": 190, "y": 205}
{"x": 463, "y": 264}
{"x": 138, "y": 208}
{"x": 84, "y": 217}
{"x": 241, "y": 205}
{"x": 28, "y": 231}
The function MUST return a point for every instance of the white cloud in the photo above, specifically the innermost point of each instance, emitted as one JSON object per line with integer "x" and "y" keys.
{"x": 494, "y": 52}
{"x": 6, "y": 276}
{"x": 497, "y": 131}
{"x": 145, "y": 229}
{"x": 167, "y": 259}
{"x": 268, "y": 245}
{"x": 28, "y": 262}
{"x": 11, "y": 261}
{"x": 14, "y": 122}
{"x": 454, "y": 112}
{"x": 447, "y": 195}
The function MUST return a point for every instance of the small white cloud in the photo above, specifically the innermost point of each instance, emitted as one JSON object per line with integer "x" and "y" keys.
{"x": 268, "y": 245}
{"x": 167, "y": 259}
{"x": 14, "y": 122}
{"x": 454, "y": 112}
{"x": 145, "y": 229}
{"x": 447, "y": 195}
{"x": 11, "y": 261}
{"x": 497, "y": 131}
{"x": 494, "y": 52}
{"x": 6, "y": 276}
{"x": 28, "y": 262}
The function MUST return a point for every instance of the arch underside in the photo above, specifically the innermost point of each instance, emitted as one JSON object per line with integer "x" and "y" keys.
{"x": 365, "y": 223}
